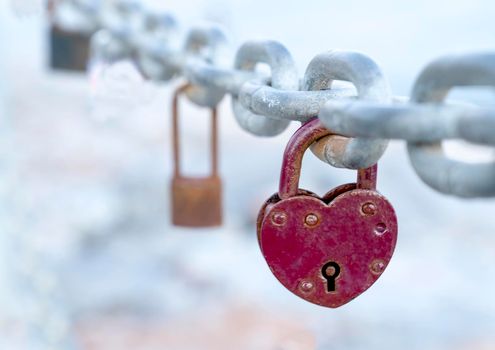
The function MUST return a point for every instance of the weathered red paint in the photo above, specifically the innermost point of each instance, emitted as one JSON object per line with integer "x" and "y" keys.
{"x": 299, "y": 232}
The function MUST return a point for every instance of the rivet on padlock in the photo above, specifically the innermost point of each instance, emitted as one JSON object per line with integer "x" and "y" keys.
{"x": 196, "y": 201}
{"x": 326, "y": 250}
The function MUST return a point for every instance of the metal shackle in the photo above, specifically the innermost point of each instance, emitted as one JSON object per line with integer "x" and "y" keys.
{"x": 302, "y": 139}
{"x": 283, "y": 77}
{"x": 203, "y": 43}
{"x": 428, "y": 158}
{"x": 371, "y": 85}
{"x": 175, "y": 135}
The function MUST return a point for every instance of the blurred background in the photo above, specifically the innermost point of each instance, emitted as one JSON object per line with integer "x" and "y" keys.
{"x": 89, "y": 260}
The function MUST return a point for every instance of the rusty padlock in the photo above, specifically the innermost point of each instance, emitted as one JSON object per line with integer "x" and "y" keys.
{"x": 331, "y": 249}
{"x": 196, "y": 201}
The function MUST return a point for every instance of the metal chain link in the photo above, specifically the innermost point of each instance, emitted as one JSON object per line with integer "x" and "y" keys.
{"x": 283, "y": 77}
{"x": 370, "y": 84}
{"x": 365, "y": 117}
{"x": 428, "y": 159}
{"x": 426, "y": 120}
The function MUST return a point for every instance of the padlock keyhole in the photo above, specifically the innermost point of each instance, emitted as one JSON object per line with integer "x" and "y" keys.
{"x": 330, "y": 271}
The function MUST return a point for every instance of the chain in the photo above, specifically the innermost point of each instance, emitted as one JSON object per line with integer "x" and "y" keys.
{"x": 426, "y": 120}
{"x": 364, "y": 116}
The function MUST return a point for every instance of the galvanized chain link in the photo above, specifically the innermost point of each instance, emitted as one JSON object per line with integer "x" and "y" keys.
{"x": 427, "y": 120}
{"x": 370, "y": 84}
{"x": 365, "y": 116}
{"x": 428, "y": 159}
{"x": 283, "y": 77}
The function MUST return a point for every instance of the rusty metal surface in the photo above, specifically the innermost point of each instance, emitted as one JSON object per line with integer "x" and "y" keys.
{"x": 352, "y": 231}
{"x": 195, "y": 201}
{"x": 297, "y": 249}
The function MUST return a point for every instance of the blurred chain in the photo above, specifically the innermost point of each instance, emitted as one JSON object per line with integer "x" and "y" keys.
{"x": 365, "y": 116}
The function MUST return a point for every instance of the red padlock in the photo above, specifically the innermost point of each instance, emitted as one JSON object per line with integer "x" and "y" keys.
{"x": 331, "y": 249}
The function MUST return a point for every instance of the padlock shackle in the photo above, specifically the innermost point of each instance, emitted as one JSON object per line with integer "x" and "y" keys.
{"x": 302, "y": 139}
{"x": 175, "y": 134}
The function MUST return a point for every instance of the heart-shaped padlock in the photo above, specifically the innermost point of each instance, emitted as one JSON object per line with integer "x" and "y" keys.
{"x": 326, "y": 250}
